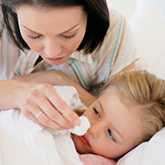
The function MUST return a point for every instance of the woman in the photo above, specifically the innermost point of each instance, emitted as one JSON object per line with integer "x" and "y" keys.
{"x": 72, "y": 42}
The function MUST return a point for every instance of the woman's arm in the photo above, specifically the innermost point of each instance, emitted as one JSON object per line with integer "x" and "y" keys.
{"x": 38, "y": 100}
{"x": 10, "y": 93}
{"x": 57, "y": 78}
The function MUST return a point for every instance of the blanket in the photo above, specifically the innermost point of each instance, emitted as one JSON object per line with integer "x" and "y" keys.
{"x": 25, "y": 142}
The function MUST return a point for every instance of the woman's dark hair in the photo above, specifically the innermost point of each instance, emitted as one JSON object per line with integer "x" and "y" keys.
{"x": 97, "y": 24}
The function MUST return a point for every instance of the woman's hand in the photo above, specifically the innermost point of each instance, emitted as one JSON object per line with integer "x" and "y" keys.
{"x": 57, "y": 78}
{"x": 42, "y": 104}
{"x": 39, "y": 101}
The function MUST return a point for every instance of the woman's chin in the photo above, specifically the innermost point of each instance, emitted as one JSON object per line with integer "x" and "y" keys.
{"x": 56, "y": 61}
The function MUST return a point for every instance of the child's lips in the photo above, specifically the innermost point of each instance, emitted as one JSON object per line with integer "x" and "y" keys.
{"x": 84, "y": 140}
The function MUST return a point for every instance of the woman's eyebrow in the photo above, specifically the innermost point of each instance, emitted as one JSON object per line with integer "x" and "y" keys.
{"x": 68, "y": 30}
{"x": 29, "y": 29}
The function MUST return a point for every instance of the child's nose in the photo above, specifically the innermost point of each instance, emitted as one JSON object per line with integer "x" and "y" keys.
{"x": 95, "y": 130}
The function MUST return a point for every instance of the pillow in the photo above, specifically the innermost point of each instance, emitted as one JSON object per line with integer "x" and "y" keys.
{"x": 148, "y": 153}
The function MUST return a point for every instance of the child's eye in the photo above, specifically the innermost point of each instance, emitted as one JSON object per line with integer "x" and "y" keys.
{"x": 96, "y": 112}
{"x": 110, "y": 134}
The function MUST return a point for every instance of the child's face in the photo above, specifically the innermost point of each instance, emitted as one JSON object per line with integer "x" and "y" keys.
{"x": 115, "y": 127}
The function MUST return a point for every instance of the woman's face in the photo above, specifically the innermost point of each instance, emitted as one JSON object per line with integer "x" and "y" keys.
{"x": 54, "y": 33}
{"x": 115, "y": 127}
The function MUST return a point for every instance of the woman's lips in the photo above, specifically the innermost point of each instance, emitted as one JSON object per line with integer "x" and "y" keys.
{"x": 55, "y": 60}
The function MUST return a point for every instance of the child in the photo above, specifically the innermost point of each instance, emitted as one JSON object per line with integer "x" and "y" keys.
{"x": 127, "y": 113}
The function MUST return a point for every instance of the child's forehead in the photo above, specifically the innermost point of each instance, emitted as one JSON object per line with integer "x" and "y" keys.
{"x": 115, "y": 104}
{"x": 118, "y": 116}
{"x": 112, "y": 93}
{"x": 124, "y": 96}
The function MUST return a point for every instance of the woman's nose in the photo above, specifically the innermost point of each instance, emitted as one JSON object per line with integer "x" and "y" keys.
{"x": 52, "y": 49}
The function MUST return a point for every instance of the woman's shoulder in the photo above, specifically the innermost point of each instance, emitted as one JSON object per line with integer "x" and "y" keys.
{"x": 109, "y": 46}
{"x": 117, "y": 23}
{"x": 115, "y": 18}
{"x": 113, "y": 37}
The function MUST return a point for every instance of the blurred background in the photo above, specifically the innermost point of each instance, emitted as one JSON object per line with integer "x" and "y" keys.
{"x": 127, "y": 7}
{"x": 146, "y": 19}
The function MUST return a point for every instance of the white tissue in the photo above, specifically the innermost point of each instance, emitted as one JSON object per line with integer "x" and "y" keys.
{"x": 70, "y": 95}
{"x": 82, "y": 128}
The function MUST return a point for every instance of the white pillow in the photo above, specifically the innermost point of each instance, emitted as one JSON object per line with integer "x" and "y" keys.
{"x": 148, "y": 153}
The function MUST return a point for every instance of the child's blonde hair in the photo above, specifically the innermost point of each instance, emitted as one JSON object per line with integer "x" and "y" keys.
{"x": 146, "y": 90}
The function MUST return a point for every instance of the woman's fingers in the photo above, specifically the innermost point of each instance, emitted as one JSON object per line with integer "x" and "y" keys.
{"x": 51, "y": 112}
{"x": 61, "y": 106}
{"x": 29, "y": 115}
{"x": 46, "y": 122}
{"x": 48, "y": 108}
{"x": 33, "y": 112}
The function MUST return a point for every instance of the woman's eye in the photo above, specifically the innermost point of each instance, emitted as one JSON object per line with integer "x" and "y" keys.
{"x": 35, "y": 37}
{"x": 68, "y": 36}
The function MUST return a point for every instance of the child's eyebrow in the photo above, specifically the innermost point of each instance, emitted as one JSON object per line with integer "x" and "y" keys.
{"x": 113, "y": 128}
{"x": 101, "y": 106}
